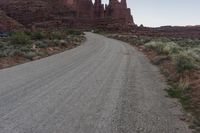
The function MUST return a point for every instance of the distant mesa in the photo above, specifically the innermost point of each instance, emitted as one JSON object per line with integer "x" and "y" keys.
{"x": 69, "y": 13}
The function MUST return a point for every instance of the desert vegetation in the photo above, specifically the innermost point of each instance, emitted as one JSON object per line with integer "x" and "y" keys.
{"x": 32, "y": 45}
{"x": 179, "y": 61}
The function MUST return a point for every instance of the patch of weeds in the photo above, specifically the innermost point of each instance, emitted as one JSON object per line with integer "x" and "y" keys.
{"x": 42, "y": 54}
{"x": 55, "y": 42}
{"x": 38, "y": 35}
{"x": 195, "y": 53}
{"x": 98, "y": 31}
{"x": 164, "y": 72}
{"x": 54, "y": 35}
{"x": 30, "y": 55}
{"x": 20, "y": 38}
{"x": 165, "y": 48}
{"x": 183, "y": 62}
{"x": 41, "y": 44}
{"x": 73, "y": 32}
{"x": 174, "y": 92}
{"x": 179, "y": 90}
{"x": 143, "y": 39}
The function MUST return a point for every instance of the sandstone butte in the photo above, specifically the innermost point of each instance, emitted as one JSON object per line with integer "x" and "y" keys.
{"x": 69, "y": 13}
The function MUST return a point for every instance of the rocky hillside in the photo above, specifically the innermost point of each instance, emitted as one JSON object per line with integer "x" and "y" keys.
{"x": 26, "y": 11}
{"x": 29, "y": 12}
{"x": 7, "y": 23}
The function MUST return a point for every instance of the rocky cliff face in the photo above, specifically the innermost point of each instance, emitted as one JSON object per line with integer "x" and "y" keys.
{"x": 27, "y": 11}
{"x": 71, "y": 13}
{"x": 7, "y": 23}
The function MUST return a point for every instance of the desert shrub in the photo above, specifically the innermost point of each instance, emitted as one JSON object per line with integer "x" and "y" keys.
{"x": 185, "y": 42}
{"x": 179, "y": 90}
{"x": 195, "y": 53}
{"x": 20, "y": 38}
{"x": 41, "y": 44}
{"x": 183, "y": 62}
{"x": 40, "y": 53}
{"x": 7, "y": 49}
{"x": 55, "y": 42}
{"x": 158, "y": 46}
{"x": 3, "y": 44}
{"x": 151, "y": 45}
{"x": 8, "y": 52}
{"x": 162, "y": 39}
{"x": 55, "y": 35}
{"x": 172, "y": 48}
{"x": 4, "y": 53}
{"x": 98, "y": 31}
{"x": 73, "y": 32}
{"x": 144, "y": 39}
{"x": 163, "y": 47}
{"x": 141, "y": 40}
{"x": 25, "y": 48}
{"x": 38, "y": 35}
{"x": 30, "y": 55}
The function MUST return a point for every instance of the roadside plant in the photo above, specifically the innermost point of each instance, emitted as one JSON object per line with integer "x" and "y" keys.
{"x": 195, "y": 53}
{"x": 20, "y": 38}
{"x": 183, "y": 62}
{"x": 73, "y": 32}
{"x": 180, "y": 90}
{"x": 38, "y": 35}
{"x": 55, "y": 35}
{"x": 30, "y": 55}
{"x": 166, "y": 48}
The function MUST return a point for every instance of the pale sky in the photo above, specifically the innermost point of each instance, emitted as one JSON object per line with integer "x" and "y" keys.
{"x": 165, "y": 12}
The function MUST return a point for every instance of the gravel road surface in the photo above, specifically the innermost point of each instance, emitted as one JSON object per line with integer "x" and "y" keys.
{"x": 102, "y": 86}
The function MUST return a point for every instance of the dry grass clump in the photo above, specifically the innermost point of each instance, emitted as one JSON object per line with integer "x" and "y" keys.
{"x": 166, "y": 48}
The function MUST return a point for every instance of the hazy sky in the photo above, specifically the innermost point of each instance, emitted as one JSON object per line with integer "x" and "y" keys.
{"x": 165, "y": 12}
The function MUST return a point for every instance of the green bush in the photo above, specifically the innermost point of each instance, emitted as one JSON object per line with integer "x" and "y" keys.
{"x": 38, "y": 35}
{"x": 158, "y": 46}
{"x": 41, "y": 44}
{"x": 55, "y": 35}
{"x": 98, "y": 31}
{"x": 195, "y": 53}
{"x": 183, "y": 62}
{"x": 8, "y": 52}
{"x": 172, "y": 48}
{"x": 143, "y": 39}
{"x": 30, "y": 55}
{"x": 55, "y": 42}
{"x": 179, "y": 90}
{"x": 25, "y": 49}
{"x": 73, "y": 32}
{"x": 166, "y": 48}
{"x": 20, "y": 38}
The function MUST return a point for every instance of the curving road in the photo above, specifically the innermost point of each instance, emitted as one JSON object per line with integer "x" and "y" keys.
{"x": 102, "y": 86}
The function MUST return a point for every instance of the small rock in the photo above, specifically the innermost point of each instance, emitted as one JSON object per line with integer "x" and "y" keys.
{"x": 50, "y": 49}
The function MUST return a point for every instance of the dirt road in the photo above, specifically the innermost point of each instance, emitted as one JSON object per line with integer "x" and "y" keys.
{"x": 102, "y": 86}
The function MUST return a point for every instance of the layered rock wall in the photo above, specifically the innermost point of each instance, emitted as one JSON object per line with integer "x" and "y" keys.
{"x": 70, "y": 13}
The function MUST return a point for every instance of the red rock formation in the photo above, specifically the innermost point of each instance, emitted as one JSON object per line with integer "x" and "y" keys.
{"x": 7, "y": 23}
{"x": 70, "y": 13}
{"x": 115, "y": 13}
